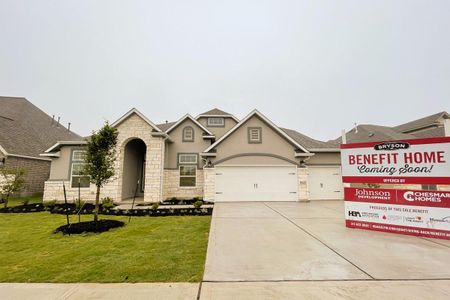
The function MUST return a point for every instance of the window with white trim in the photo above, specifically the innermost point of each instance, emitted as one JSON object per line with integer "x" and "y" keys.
{"x": 76, "y": 176}
{"x": 188, "y": 134}
{"x": 254, "y": 135}
{"x": 216, "y": 122}
{"x": 188, "y": 169}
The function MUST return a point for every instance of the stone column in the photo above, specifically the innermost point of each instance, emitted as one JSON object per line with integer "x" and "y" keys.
{"x": 154, "y": 170}
{"x": 303, "y": 191}
{"x": 209, "y": 184}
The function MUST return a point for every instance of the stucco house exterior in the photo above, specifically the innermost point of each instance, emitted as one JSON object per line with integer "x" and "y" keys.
{"x": 25, "y": 132}
{"x": 214, "y": 156}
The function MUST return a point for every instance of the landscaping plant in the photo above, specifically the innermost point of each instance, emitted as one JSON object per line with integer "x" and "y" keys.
{"x": 100, "y": 158}
{"x": 198, "y": 203}
{"x": 12, "y": 182}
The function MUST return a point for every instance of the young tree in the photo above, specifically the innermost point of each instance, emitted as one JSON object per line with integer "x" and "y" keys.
{"x": 11, "y": 181}
{"x": 100, "y": 158}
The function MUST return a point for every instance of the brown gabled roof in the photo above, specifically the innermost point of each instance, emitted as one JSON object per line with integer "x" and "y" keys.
{"x": 373, "y": 133}
{"x": 430, "y": 132}
{"x": 165, "y": 126}
{"x": 422, "y": 122}
{"x": 27, "y": 130}
{"x": 310, "y": 143}
{"x": 215, "y": 112}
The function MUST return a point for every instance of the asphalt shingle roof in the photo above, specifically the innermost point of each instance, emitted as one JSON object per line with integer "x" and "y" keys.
{"x": 27, "y": 130}
{"x": 165, "y": 126}
{"x": 309, "y": 143}
{"x": 421, "y": 123}
{"x": 216, "y": 112}
{"x": 373, "y": 133}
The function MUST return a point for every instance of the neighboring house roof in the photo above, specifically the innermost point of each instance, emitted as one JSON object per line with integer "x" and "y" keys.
{"x": 267, "y": 121}
{"x": 25, "y": 130}
{"x": 182, "y": 119}
{"x": 215, "y": 112}
{"x": 430, "y": 132}
{"x": 422, "y": 122}
{"x": 373, "y": 133}
{"x": 310, "y": 143}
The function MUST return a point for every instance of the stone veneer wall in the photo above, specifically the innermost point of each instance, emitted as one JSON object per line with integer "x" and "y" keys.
{"x": 209, "y": 184}
{"x": 172, "y": 187}
{"x": 132, "y": 128}
{"x": 303, "y": 191}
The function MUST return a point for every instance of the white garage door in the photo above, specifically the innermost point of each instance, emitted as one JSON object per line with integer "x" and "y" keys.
{"x": 256, "y": 183}
{"x": 325, "y": 183}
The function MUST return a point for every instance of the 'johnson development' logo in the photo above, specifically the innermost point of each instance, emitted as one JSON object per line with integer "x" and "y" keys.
{"x": 391, "y": 146}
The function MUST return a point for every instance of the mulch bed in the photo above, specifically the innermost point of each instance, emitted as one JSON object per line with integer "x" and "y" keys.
{"x": 160, "y": 212}
{"x": 28, "y": 208}
{"x": 90, "y": 226}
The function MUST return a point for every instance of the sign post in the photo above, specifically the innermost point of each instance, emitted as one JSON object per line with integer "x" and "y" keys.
{"x": 404, "y": 209}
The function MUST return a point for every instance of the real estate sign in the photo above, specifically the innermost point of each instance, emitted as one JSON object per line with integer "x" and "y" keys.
{"x": 418, "y": 161}
{"x": 406, "y": 211}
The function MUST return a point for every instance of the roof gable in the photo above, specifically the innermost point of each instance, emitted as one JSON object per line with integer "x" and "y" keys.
{"x": 182, "y": 119}
{"x": 264, "y": 119}
{"x": 141, "y": 115}
{"x": 215, "y": 112}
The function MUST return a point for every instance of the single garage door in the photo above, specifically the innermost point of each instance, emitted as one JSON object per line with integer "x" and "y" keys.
{"x": 325, "y": 183}
{"x": 256, "y": 183}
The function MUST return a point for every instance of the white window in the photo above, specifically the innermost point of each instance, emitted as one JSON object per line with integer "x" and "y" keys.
{"x": 188, "y": 169}
{"x": 254, "y": 135}
{"x": 216, "y": 122}
{"x": 188, "y": 134}
{"x": 78, "y": 163}
{"x": 187, "y": 159}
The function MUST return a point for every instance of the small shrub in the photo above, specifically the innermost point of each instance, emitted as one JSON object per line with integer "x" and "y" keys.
{"x": 173, "y": 199}
{"x": 155, "y": 205}
{"x": 107, "y": 203}
{"x": 198, "y": 204}
{"x": 79, "y": 204}
{"x": 49, "y": 205}
{"x": 25, "y": 201}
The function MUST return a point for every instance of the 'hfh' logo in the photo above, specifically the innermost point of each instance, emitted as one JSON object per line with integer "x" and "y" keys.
{"x": 352, "y": 213}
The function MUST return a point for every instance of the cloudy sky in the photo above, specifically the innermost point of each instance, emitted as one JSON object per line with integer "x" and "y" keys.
{"x": 314, "y": 66}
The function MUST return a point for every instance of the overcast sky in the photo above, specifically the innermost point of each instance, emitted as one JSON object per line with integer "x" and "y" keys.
{"x": 314, "y": 66}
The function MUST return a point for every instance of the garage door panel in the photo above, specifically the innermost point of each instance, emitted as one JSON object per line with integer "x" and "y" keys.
{"x": 325, "y": 183}
{"x": 246, "y": 183}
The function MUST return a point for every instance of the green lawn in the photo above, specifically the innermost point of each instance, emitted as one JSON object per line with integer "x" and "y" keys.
{"x": 19, "y": 200}
{"x": 149, "y": 249}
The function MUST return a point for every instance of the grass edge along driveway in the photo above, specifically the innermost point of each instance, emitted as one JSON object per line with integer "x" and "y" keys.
{"x": 149, "y": 249}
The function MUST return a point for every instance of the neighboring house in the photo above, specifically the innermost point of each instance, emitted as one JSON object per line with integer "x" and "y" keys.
{"x": 25, "y": 132}
{"x": 214, "y": 156}
{"x": 430, "y": 126}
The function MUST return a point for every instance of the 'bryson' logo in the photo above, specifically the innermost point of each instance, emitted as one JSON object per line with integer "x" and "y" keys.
{"x": 391, "y": 146}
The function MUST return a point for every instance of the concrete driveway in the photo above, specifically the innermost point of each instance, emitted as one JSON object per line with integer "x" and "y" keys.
{"x": 279, "y": 247}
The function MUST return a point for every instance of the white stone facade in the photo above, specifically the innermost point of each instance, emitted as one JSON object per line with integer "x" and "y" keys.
{"x": 172, "y": 187}
{"x": 209, "y": 184}
{"x": 303, "y": 190}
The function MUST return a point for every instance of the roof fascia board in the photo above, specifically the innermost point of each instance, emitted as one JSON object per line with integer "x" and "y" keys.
{"x": 270, "y": 123}
{"x": 64, "y": 143}
{"x": 218, "y": 116}
{"x": 29, "y": 157}
{"x": 2, "y": 150}
{"x": 188, "y": 116}
{"x": 325, "y": 150}
{"x": 162, "y": 134}
{"x": 135, "y": 111}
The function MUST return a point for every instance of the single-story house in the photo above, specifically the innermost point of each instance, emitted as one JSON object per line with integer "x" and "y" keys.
{"x": 25, "y": 132}
{"x": 217, "y": 157}
{"x": 214, "y": 156}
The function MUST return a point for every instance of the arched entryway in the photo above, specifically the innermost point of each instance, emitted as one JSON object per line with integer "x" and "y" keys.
{"x": 133, "y": 176}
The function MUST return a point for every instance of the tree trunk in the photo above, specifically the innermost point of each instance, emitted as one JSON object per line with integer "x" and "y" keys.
{"x": 97, "y": 201}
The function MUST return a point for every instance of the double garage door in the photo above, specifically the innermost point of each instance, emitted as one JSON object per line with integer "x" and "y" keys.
{"x": 256, "y": 183}
{"x": 275, "y": 183}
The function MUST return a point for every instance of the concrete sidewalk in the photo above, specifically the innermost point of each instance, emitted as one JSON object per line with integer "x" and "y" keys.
{"x": 110, "y": 291}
